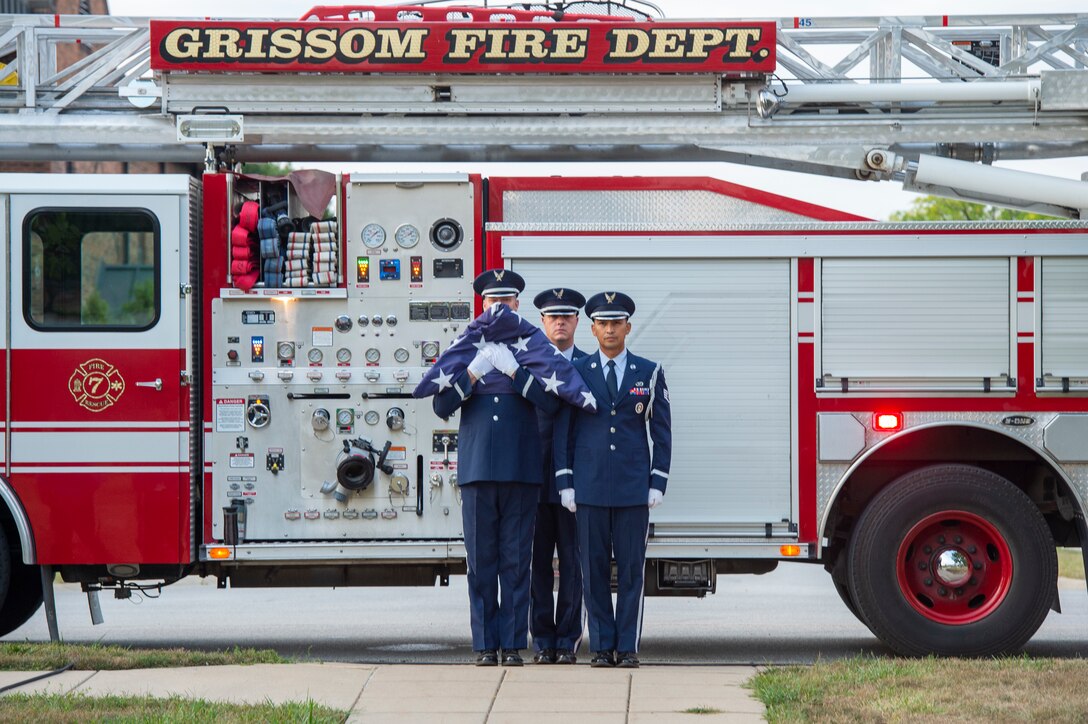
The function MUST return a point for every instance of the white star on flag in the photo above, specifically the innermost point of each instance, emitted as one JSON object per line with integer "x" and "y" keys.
{"x": 552, "y": 384}
{"x": 482, "y": 344}
{"x": 590, "y": 400}
{"x": 522, "y": 345}
{"x": 557, "y": 350}
{"x": 443, "y": 380}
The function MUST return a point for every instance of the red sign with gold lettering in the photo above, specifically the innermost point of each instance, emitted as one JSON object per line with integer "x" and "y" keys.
{"x": 729, "y": 48}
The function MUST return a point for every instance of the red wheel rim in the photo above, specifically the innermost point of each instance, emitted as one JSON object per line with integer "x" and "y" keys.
{"x": 954, "y": 567}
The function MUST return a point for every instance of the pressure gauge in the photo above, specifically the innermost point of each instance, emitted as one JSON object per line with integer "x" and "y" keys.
{"x": 373, "y": 355}
{"x": 401, "y": 355}
{"x": 430, "y": 349}
{"x": 343, "y": 355}
{"x": 344, "y": 418}
{"x": 372, "y": 417}
{"x": 406, "y": 235}
{"x": 285, "y": 350}
{"x": 315, "y": 355}
{"x": 342, "y": 323}
{"x": 373, "y": 236}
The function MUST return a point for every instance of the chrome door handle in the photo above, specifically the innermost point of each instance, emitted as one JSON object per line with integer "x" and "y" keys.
{"x": 157, "y": 384}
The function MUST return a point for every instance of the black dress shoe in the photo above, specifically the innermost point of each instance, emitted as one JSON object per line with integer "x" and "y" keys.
{"x": 547, "y": 656}
{"x": 488, "y": 657}
{"x": 627, "y": 660}
{"x": 511, "y": 657}
{"x": 602, "y": 659}
{"x": 566, "y": 657}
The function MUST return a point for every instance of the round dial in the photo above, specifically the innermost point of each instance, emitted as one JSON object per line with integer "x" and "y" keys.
{"x": 315, "y": 355}
{"x": 406, "y": 235}
{"x": 430, "y": 349}
{"x": 446, "y": 234}
{"x": 373, "y": 355}
{"x": 285, "y": 350}
{"x": 372, "y": 417}
{"x": 344, "y": 418}
{"x": 343, "y": 355}
{"x": 373, "y": 236}
{"x": 401, "y": 355}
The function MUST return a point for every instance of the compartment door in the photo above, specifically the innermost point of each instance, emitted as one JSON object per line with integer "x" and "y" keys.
{"x": 720, "y": 328}
{"x": 99, "y": 443}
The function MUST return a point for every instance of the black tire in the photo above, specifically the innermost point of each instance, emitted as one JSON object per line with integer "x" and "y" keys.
{"x": 24, "y": 597}
{"x": 998, "y": 609}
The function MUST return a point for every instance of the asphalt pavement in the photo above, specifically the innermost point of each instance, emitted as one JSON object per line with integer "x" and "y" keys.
{"x": 791, "y": 615}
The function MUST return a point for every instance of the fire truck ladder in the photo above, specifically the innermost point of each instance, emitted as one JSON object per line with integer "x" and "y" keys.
{"x": 867, "y": 97}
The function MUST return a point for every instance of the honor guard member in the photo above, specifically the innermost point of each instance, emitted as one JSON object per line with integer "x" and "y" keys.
{"x": 608, "y": 472}
{"x": 499, "y": 471}
{"x": 556, "y": 625}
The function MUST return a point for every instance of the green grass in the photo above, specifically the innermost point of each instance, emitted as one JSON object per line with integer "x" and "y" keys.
{"x": 701, "y": 710}
{"x": 51, "y": 708}
{"x": 1070, "y": 563}
{"x": 930, "y": 689}
{"x": 95, "y": 657}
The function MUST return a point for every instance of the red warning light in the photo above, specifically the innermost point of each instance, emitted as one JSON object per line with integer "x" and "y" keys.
{"x": 887, "y": 421}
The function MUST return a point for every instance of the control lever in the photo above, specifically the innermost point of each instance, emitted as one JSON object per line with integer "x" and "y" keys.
{"x": 446, "y": 450}
{"x": 381, "y": 464}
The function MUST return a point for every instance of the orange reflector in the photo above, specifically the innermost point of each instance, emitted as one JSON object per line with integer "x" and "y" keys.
{"x": 886, "y": 421}
{"x": 790, "y": 551}
{"x": 219, "y": 553}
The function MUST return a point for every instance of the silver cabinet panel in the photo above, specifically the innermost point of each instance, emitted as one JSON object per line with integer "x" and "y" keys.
{"x": 1064, "y": 298}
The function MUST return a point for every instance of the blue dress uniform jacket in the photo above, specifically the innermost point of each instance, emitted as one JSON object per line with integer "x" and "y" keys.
{"x": 546, "y": 422}
{"x": 498, "y": 438}
{"x": 606, "y": 457}
{"x": 499, "y": 468}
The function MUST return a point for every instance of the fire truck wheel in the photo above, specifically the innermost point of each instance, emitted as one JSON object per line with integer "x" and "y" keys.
{"x": 952, "y": 560}
{"x": 24, "y": 597}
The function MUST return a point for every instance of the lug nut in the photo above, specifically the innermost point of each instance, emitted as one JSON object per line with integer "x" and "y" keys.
{"x": 928, "y": 581}
{"x": 972, "y": 550}
{"x": 958, "y": 539}
{"x": 940, "y": 539}
{"x": 922, "y": 565}
{"x": 978, "y": 566}
{"x": 972, "y": 581}
{"x": 942, "y": 591}
{"x": 959, "y": 591}
{"x": 927, "y": 549}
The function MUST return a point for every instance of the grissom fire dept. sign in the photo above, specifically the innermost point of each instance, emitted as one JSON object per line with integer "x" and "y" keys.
{"x": 732, "y": 48}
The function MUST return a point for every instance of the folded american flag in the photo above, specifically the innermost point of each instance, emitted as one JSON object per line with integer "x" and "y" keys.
{"x": 531, "y": 348}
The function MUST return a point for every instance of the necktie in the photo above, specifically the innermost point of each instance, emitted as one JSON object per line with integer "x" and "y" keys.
{"x": 610, "y": 380}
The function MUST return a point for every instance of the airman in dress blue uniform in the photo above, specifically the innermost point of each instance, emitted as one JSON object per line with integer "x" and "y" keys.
{"x": 556, "y": 625}
{"x": 608, "y": 472}
{"x": 499, "y": 471}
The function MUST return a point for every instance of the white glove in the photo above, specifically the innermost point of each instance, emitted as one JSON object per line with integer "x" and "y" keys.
{"x": 566, "y": 496}
{"x": 655, "y": 498}
{"x": 503, "y": 359}
{"x": 480, "y": 365}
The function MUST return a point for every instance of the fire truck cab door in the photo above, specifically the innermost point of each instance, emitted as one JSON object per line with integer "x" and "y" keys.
{"x": 99, "y": 400}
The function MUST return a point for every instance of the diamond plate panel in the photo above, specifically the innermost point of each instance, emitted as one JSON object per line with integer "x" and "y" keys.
{"x": 830, "y": 475}
{"x": 670, "y": 209}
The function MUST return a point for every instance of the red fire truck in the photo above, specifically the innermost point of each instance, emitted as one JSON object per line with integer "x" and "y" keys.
{"x": 212, "y": 376}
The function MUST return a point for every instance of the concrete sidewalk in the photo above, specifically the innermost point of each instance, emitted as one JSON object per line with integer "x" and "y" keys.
{"x": 441, "y": 693}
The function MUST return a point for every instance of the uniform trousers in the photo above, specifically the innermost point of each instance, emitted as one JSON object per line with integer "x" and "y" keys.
{"x": 604, "y": 532}
{"x": 556, "y": 624}
{"x": 498, "y": 521}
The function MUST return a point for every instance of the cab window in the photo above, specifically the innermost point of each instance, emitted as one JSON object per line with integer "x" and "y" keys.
{"x": 91, "y": 269}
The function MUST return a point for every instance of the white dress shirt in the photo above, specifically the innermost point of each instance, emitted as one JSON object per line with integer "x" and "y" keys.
{"x": 621, "y": 365}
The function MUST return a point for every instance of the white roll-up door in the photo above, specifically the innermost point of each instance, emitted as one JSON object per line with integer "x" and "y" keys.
{"x": 720, "y": 329}
{"x": 910, "y": 319}
{"x": 1064, "y": 330}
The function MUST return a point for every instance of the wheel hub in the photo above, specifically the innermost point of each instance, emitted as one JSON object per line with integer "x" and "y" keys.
{"x": 954, "y": 567}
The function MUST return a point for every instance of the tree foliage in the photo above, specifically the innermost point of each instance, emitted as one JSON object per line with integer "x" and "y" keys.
{"x": 267, "y": 169}
{"x": 938, "y": 208}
